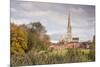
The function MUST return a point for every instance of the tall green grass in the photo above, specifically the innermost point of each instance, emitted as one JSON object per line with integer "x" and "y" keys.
{"x": 52, "y": 57}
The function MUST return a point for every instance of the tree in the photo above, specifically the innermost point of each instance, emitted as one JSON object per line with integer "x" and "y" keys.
{"x": 92, "y": 50}
{"x": 18, "y": 39}
{"x": 37, "y": 28}
{"x": 37, "y": 37}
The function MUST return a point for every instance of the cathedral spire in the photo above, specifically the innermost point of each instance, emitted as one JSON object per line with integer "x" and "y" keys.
{"x": 67, "y": 37}
{"x": 69, "y": 24}
{"x": 69, "y": 29}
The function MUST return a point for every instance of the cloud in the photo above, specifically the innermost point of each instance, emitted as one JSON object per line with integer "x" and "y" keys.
{"x": 18, "y": 21}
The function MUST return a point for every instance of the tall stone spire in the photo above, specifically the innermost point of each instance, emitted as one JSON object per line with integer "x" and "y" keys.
{"x": 67, "y": 37}
{"x": 69, "y": 30}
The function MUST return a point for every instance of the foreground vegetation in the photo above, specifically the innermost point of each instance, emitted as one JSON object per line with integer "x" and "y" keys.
{"x": 52, "y": 57}
{"x": 30, "y": 43}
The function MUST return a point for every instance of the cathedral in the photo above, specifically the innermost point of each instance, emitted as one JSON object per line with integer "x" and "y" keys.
{"x": 68, "y": 40}
{"x": 67, "y": 37}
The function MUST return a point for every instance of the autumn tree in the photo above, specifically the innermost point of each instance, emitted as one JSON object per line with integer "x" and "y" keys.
{"x": 18, "y": 39}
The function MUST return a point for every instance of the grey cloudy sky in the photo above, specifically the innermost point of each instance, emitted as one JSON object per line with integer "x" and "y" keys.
{"x": 54, "y": 17}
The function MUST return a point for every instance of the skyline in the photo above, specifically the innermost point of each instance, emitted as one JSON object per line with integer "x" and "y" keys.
{"x": 54, "y": 16}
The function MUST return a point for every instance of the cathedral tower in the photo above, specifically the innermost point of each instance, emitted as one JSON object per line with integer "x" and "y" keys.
{"x": 67, "y": 37}
{"x": 69, "y": 30}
